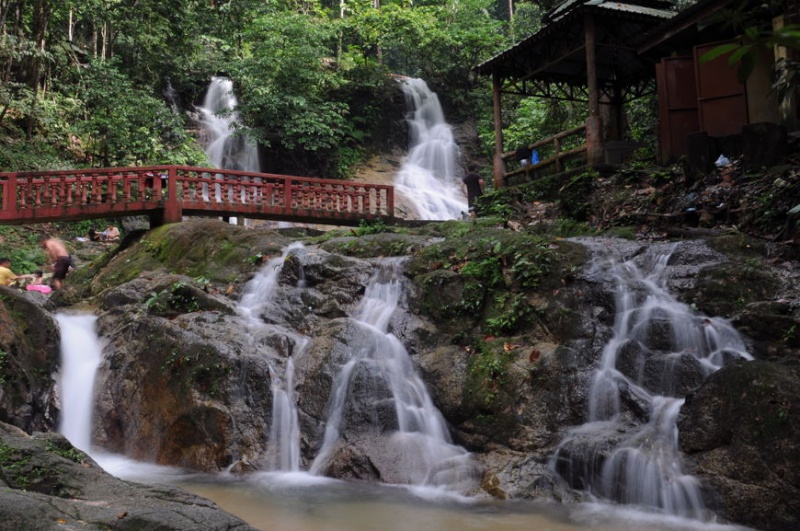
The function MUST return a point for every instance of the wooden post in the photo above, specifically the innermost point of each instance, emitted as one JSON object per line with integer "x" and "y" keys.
{"x": 594, "y": 140}
{"x": 498, "y": 166}
{"x": 590, "y": 34}
{"x": 172, "y": 208}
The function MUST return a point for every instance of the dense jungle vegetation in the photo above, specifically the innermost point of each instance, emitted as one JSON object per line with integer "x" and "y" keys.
{"x": 114, "y": 82}
{"x": 108, "y": 82}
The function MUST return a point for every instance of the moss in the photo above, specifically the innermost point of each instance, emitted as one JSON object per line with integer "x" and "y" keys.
{"x": 728, "y": 288}
{"x": 738, "y": 244}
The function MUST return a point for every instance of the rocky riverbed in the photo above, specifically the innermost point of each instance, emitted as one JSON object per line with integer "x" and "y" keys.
{"x": 505, "y": 326}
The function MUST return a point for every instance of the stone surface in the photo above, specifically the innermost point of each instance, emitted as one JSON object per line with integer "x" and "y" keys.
{"x": 47, "y": 484}
{"x": 506, "y": 351}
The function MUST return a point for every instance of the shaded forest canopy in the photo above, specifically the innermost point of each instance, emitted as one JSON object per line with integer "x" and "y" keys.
{"x": 114, "y": 82}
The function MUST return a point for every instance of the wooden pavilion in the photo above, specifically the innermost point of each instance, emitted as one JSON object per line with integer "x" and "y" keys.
{"x": 586, "y": 51}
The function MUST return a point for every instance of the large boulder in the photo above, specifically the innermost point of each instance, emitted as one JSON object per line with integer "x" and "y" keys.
{"x": 48, "y": 484}
{"x": 29, "y": 357}
{"x": 741, "y": 430}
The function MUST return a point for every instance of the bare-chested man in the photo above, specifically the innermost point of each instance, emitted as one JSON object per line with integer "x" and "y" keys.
{"x": 59, "y": 259}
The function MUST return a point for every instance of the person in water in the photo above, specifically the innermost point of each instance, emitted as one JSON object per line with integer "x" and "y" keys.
{"x": 6, "y": 275}
{"x": 59, "y": 257}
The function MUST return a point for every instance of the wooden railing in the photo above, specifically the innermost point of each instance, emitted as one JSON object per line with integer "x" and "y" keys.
{"x": 552, "y": 158}
{"x": 167, "y": 193}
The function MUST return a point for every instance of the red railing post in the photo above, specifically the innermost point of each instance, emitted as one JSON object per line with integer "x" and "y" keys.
{"x": 288, "y": 192}
{"x": 10, "y": 193}
{"x": 390, "y": 202}
{"x": 172, "y": 208}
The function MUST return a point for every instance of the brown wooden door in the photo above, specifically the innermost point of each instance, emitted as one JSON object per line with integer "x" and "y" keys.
{"x": 722, "y": 99}
{"x": 677, "y": 105}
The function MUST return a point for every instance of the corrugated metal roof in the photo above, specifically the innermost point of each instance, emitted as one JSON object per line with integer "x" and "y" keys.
{"x": 649, "y": 7}
{"x": 630, "y": 8}
{"x": 625, "y": 20}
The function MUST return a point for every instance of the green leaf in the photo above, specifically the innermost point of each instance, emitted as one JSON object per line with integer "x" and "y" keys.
{"x": 718, "y": 51}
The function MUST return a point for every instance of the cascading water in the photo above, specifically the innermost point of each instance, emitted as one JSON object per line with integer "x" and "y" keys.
{"x": 225, "y": 148}
{"x": 431, "y": 175}
{"x": 422, "y": 441}
{"x": 660, "y": 349}
{"x": 283, "y": 446}
{"x": 81, "y": 355}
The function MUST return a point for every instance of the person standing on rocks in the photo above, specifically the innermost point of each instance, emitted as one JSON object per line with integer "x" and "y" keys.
{"x": 59, "y": 257}
{"x": 474, "y": 188}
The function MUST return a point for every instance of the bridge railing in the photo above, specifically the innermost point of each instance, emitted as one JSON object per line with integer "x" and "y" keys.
{"x": 177, "y": 190}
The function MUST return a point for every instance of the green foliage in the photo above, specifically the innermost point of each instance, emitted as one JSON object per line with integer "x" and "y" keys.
{"x": 202, "y": 369}
{"x": 84, "y": 83}
{"x": 21, "y": 246}
{"x": 753, "y": 22}
{"x": 487, "y": 368}
{"x": 495, "y": 270}
{"x": 66, "y": 451}
{"x": 375, "y": 226}
{"x": 174, "y": 300}
{"x": 514, "y": 313}
{"x": 129, "y": 127}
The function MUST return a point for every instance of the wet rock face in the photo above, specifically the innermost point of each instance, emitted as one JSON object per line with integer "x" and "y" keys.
{"x": 29, "y": 355}
{"x": 189, "y": 391}
{"x": 741, "y": 430}
{"x": 184, "y": 382}
{"x": 48, "y": 484}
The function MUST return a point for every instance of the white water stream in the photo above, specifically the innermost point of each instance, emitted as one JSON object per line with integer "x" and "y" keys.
{"x": 224, "y": 146}
{"x": 422, "y": 441}
{"x": 658, "y": 345}
{"x": 283, "y": 445}
{"x": 81, "y": 354}
{"x": 431, "y": 174}
{"x": 645, "y": 464}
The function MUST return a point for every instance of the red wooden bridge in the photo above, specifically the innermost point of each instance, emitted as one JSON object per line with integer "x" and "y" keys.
{"x": 167, "y": 193}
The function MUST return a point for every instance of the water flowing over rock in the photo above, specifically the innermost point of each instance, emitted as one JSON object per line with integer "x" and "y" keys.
{"x": 379, "y": 402}
{"x": 628, "y": 451}
{"x": 223, "y": 146}
{"x": 189, "y": 378}
{"x": 431, "y": 174}
{"x": 81, "y": 354}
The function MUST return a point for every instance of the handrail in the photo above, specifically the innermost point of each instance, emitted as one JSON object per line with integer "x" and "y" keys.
{"x": 557, "y": 159}
{"x": 170, "y": 192}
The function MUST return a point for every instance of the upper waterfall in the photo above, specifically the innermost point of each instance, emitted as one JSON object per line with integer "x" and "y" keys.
{"x": 431, "y": 174}
{"x": 224, "y": 147}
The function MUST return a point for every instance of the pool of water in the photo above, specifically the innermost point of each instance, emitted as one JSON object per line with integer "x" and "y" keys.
{"x": 302, "y": 502}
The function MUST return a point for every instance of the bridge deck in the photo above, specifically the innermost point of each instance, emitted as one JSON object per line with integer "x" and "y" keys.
{"x": 167, "y": 193}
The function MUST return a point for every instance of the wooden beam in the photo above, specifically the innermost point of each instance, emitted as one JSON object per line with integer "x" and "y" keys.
{"x": 498, "y": 166}
{"x": 590, "y": 35}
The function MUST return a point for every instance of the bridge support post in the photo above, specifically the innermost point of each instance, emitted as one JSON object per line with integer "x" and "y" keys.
{"x": 173, "y": 213}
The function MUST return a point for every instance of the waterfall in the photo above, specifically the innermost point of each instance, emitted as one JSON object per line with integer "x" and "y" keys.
{"x": 422, "y": 440}
{"x": 81, "y": 355}
{"x": 284, "y": 434}
{"x": 225, "y": 148}
{"x": 283, "y": 445}
{"x": 659, "y": 351}
{"x": 431, "y": 175}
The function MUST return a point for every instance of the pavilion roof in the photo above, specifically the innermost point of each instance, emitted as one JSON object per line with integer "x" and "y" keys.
{"x": 556, "y": 55}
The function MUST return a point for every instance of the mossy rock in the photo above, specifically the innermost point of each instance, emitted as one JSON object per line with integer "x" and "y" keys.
{"x": 374, "y": 245}
{"x": 211, "y": 250}
{"x": 726, "y": 289}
